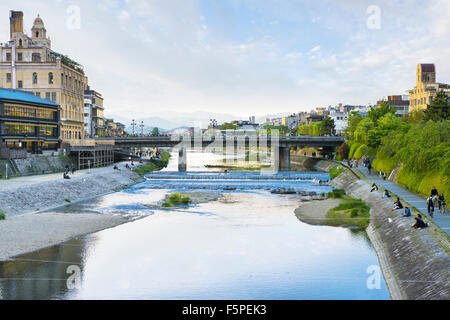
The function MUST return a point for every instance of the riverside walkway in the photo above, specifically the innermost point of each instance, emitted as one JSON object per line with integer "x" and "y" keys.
{"x": 442, "y": 220}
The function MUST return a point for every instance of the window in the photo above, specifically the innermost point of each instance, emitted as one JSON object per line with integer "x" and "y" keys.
{"x": 20, "y": 42}
{"x": 36, "y": 57}
{"x": 50, "y": 78}
{"x": 20, "y": 84}
{"x": 8, "y": 77}
{"x": 35, "y": 78}
{"x": 19, "y": 56}
{"x": 62, "y": 80}
{"x": 47, "y": 95}
{"x": 54, "y": 97}
{"x": 37, "y": 34}
{"x": 38, "y": 94}
{"x": 8, "y": 56}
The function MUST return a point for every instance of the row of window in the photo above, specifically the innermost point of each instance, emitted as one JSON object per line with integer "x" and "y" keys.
{"x": 28, "y": 112}
{"x": 30, "y": 130}
{"x": 66, "y": 81}
{"x": 421, "y": 101}
{"x": 35, "y": 57}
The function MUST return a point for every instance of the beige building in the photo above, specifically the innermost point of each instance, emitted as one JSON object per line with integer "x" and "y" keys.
{"x": 426, "y": 87}
{"x": 29, "y": 63}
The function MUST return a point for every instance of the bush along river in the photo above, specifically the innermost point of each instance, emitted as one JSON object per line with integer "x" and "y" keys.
{"x": 235, "y": 239}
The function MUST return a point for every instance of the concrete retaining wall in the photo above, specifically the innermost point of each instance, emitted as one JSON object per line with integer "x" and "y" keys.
{"x": 414, "y": 264}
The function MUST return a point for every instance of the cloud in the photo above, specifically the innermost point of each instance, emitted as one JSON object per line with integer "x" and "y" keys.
{"x": 185, "y": 55}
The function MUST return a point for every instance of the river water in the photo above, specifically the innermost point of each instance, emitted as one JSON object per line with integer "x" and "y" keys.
{"x": 248, "y": 244}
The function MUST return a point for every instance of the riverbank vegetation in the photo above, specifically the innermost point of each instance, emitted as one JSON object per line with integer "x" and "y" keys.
{"x": 153, "y": 166}
{"x": 418, "y": 145}
{"x": 177, "y": 199}
{"x": 336, "y": 171}
{"x": 350, "y": 211}
{"x": 2, "y": 215}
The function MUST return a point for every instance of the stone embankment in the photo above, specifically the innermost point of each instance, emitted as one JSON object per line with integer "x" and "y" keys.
{"x": 37, "y": 196}
{"x": 415, "y": 262}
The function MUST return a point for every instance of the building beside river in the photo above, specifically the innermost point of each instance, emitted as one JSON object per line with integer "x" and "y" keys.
{"x": 426, "y": 87}
{"x": 28, "y": 63}
{"x": 28, "y": 124}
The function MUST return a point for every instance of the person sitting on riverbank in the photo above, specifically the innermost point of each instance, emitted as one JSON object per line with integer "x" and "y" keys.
{"x": 127, "y": 166}
{"x": 374, "y": 188}
{"x": 386, "y": 194}
{"x": 66, "y": 176}
{"x": 116, "y": 168}
{"x": 397, "y": 204}
{"x": 419, "y": 222}
{"x": 407, "y": 212}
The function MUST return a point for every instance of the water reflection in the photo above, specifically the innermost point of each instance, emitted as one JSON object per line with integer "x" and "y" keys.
{"x": 248, "y": 244}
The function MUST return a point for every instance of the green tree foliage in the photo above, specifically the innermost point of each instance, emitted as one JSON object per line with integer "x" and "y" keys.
{"x": 353, "y": 120}
{"x": 327, "y": 126}
{"x": 155, "y": 131}
{"x": 378, "y": 112}
{"x": 439, "y": 108}
{"x": 362, "y": 130}
{"x": 273, "y": 130}
{"x": 228, "y": 126}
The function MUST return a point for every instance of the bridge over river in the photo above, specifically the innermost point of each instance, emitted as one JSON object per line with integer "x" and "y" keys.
{"x": 279, "y": 144}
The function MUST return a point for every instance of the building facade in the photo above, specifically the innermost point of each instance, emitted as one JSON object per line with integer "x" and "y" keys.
{"x": 426, "y": 87}
{"x": 29, "y": 63}
{"x": 93, "y": 114}
{"x": 28, "y": 122}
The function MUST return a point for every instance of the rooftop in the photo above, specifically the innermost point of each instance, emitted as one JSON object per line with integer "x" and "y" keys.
{"x": 24, "y": 96}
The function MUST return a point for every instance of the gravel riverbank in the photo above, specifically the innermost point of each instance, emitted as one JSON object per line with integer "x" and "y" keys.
{"x": 26, "y": 201}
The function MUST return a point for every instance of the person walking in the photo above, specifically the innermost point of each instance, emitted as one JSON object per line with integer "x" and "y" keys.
{"x": 430, "y": 206}
{"x": 384, "y": 175}
{"x": 441, "y": 202}
{"x": 369, "y": 167}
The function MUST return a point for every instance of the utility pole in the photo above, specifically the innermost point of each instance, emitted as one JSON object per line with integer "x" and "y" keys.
{"x": 142, "y": 128}
{"x": 133, "y": 124}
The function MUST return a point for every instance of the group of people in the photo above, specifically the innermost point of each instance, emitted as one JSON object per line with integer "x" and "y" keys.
{"x": 353, "y": 163}
{"x": 435, "y": 199}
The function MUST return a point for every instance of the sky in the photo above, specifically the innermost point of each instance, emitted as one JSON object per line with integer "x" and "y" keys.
{"x": 243, "y": 57}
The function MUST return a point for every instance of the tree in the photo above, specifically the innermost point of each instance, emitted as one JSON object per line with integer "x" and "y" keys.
{"x": 228, "y": 126}
{"x": 343, "y": 151}
{"x": 377, "y": 113}
{"x": 353, "y": 120}
{"x": 364, "y": 126}
{"x": 155, "y": 131}
{"x": 281, "y": 129}
{"x": 327, "y": 126}
{"x": 439, "y": 108}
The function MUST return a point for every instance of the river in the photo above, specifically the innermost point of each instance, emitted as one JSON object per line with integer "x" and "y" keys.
{"x": 248, "y": 244}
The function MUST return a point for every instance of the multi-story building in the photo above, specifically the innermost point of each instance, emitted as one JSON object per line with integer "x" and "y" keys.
{"x": 426, "y": 87}
{"x": 340, "y": 119}
{"x": 93, "y": 113}
{"x": 290, "y": 122}
{"x": 401, "y": 104}
{"x": 29, "y": 63}
{"x": 28, "y": 122}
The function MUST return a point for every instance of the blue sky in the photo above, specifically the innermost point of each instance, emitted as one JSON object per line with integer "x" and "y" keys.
{"x": 244, "y": 57}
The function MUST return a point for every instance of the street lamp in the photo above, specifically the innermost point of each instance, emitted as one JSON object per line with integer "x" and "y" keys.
{"x": 133, "y": 124}
{"x": 142, "y": 128}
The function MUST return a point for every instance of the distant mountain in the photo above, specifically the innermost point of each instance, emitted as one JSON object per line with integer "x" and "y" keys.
{"x": 169, "y": 121}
